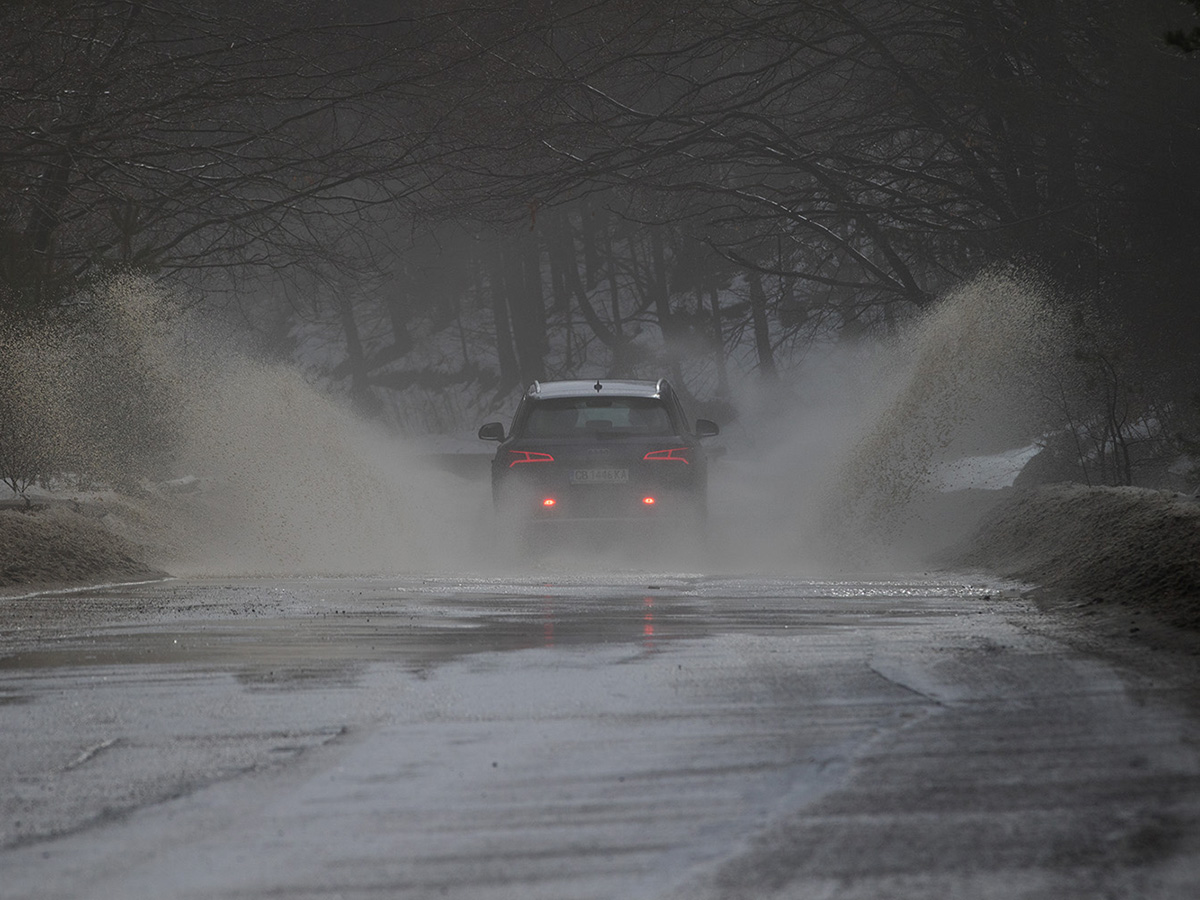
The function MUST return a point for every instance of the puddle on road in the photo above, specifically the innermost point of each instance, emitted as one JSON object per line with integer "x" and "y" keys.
{"x": 333, "y": 648}
{"x": 311, "y": 632}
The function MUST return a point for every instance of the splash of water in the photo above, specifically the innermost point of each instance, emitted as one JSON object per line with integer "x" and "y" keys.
{"x": 289, "y": 482}
{"x": 973, "y": 375}
{"x": 840, "y": 471}
{"x": 292, "y": 483}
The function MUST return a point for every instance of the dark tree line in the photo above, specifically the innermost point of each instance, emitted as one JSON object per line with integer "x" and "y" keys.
{"x": 875, "y": 152}
{"x": 479, "y": 194}
{"x": 182, "y": 136}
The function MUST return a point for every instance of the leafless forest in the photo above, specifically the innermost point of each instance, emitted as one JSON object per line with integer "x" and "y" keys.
{"x": 426, "y": 203}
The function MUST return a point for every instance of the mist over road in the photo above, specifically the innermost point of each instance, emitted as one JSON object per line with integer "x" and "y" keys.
{"x": 554, "y": 736}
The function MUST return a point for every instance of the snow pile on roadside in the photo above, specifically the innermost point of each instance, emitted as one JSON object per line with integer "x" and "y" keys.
{"x": 58, "y": 545}
{"x": 1130, "y": 546}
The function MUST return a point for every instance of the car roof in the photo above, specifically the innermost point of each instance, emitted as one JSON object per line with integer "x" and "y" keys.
{"x": 545, "y": 390}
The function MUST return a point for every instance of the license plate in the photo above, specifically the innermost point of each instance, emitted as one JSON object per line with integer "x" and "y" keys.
{"x": 599, "y": 476}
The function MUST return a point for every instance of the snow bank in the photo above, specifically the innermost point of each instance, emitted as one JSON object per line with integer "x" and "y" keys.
{"x": 50, "y": 546}
{"x": 1129, "y": 546}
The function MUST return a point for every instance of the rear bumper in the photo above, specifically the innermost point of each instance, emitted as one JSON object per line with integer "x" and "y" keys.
{"x": 548, "y": 506}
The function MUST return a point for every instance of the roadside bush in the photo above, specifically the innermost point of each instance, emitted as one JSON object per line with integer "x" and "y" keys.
{"x": 1116, "y": 420}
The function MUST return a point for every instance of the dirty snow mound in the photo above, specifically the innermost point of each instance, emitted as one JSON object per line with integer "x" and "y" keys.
{"x": 1125, "y": 545}
{"x": 57, "y": 545}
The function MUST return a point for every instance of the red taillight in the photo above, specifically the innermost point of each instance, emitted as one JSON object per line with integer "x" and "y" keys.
{"x": 649, "y": 501}
{"x": 676, "y": 454}
{"x": 516, "y": 457}
{"x": 548, "y": 502}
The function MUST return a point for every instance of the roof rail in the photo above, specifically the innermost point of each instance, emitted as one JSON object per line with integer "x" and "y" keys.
{"x": 535, "y": 388}
{"x": 662, "y": 383}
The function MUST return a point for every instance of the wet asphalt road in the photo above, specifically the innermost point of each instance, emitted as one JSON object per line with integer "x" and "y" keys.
{"x": 647, "y": 736}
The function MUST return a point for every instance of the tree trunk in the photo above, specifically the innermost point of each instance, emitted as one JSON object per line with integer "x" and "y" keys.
{"x": 591, "y": 258}
{"x": 526, "y": 310}
{"x": 661, "y": 295}
{"x": 510, "y": 375}
{"x": 762, "y": 330}
{"x": 356, "y": 362}
{"x": 719, "y": 345}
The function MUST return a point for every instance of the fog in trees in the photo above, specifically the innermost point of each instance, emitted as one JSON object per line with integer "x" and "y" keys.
{"x": 426, "y": 205}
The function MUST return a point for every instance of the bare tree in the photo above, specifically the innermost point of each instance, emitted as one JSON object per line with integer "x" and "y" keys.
{"x": 186, "y": 136}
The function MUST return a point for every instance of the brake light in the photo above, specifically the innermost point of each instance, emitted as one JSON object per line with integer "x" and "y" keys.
{"x": 676, "y": 454}
{"x": 649, "y": 501}
{"x": 516, "y": 457}
{"x": 548, "y": 502}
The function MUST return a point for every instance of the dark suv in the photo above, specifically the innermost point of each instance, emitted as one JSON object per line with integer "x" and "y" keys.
{"x": 583, "y": 451}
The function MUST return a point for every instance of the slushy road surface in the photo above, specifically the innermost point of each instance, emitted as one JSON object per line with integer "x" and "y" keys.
{"x": 566, "y": 737}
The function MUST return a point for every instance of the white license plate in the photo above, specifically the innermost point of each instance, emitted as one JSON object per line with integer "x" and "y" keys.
{"x": 599, "y": 476}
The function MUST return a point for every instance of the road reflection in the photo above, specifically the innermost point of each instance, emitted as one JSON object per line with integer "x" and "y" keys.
{"x": 648, "y": 624}
{"x": 318, "y": 646}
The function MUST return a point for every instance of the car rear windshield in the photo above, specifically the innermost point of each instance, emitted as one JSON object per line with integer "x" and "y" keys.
{"x": 566, "y": 417}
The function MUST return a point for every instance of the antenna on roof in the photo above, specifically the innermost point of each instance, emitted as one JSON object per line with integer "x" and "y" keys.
{"x": 599, "y": 387}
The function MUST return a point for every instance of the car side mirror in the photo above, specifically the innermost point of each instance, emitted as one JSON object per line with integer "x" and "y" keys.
{"x": 492, "y": 431}
{"x": 706, "y": 428}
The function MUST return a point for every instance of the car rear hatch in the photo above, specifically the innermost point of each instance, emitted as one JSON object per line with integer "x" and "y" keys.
{"x": 620, "y": 478}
